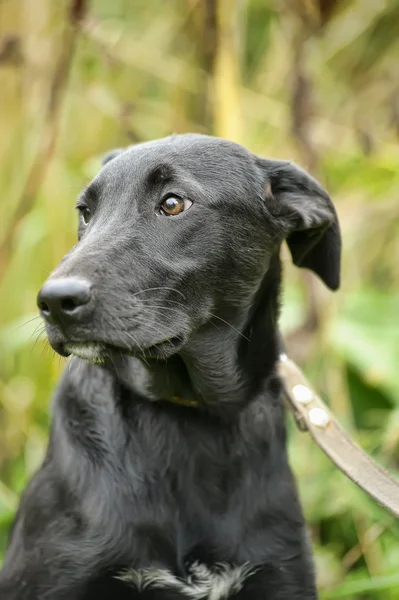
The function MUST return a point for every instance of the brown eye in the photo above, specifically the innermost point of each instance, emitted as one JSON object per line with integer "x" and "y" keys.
{"x": 86, "y": 215}
{"x": 174, "y": 205}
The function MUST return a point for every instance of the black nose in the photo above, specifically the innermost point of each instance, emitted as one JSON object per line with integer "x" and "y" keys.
{"x": 65, "y": 300}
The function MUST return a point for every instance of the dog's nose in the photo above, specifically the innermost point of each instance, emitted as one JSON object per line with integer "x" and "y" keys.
{"x": 64, "y": 300}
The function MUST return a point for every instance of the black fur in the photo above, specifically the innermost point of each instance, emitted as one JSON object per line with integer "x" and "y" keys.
{"x": 131, "y": 480}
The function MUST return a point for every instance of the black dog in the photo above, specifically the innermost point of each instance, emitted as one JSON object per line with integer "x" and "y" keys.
{"x": 166, "y": 476}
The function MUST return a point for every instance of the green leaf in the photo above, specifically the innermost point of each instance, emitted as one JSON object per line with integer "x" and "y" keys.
{"x": 366, "y": 333}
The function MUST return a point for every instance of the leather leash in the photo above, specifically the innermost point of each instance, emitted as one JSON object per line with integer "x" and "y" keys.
{"x": 312, "y": 415}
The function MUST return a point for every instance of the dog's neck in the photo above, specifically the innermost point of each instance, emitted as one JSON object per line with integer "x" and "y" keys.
{"x": 224, "y": 365}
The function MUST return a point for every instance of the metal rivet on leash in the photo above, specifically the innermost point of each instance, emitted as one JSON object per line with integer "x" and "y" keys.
{"x": 302, "y": 393}
{"x": 330, "y": 437}
{"x": 319, "y": 417}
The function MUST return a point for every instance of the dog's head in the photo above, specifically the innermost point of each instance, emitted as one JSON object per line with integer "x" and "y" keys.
{"x": 175, "y": 233}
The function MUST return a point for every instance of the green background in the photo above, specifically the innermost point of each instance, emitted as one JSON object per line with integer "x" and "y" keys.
{"x": 315, "y": 81}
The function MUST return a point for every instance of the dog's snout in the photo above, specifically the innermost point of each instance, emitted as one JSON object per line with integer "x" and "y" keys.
{"x": 65, "y": 300}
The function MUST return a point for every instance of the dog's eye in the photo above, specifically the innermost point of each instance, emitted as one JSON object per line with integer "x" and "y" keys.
{"x": 174, "y": 205}
{"x": 85, "y": 214}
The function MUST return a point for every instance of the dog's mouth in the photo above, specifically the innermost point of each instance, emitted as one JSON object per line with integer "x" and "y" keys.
{"x": 98, "y": 352}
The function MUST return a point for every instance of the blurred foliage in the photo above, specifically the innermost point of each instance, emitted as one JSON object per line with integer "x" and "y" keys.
{"x": 315, "y": 81}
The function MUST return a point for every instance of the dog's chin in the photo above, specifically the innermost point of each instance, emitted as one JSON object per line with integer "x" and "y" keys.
{"x": 98, "y": 352}
{"x": 92, "y": 352}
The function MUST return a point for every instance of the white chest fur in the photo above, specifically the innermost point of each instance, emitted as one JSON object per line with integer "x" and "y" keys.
{"x": 202, "y": 582}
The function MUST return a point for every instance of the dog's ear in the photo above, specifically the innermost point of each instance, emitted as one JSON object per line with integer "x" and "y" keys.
{"x": 307, "y": 216}
{"x": 111, "y": 155}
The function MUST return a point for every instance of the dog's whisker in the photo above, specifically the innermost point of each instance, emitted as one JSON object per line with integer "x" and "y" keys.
{"x": 115, "y": 367}
{"x": 153, "y": 289}
{"x": 135, "y": 321}
{"x": 43, "y": 328}
{"x": 135, "y": 342}
{"x": 147, "y": 318}
{"x": 230, "y": 325}
{"x": 161, "y": 303}
{"x": 38, "y": 337}
{"x": 26, "y": 323}
{"x": 45, "y": 348}
{"x": 143, "y": 302}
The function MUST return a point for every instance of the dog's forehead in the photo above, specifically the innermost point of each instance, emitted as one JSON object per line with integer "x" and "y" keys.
{"x": 203, "y": 157}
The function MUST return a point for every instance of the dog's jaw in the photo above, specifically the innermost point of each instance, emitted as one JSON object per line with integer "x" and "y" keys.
{"x": 221, "y": 366}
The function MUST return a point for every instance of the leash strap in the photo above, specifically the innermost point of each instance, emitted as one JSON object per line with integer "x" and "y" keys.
{"x": 312, "y": 415}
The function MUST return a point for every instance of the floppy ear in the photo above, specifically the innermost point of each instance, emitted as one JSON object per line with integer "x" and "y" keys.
{"x": 110, "y": 155}
{"x": 307, "y": 216}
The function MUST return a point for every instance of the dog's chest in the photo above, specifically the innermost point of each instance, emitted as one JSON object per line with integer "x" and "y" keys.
{"x": 164, "y": 489}
{"x": 170, "y": 490}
